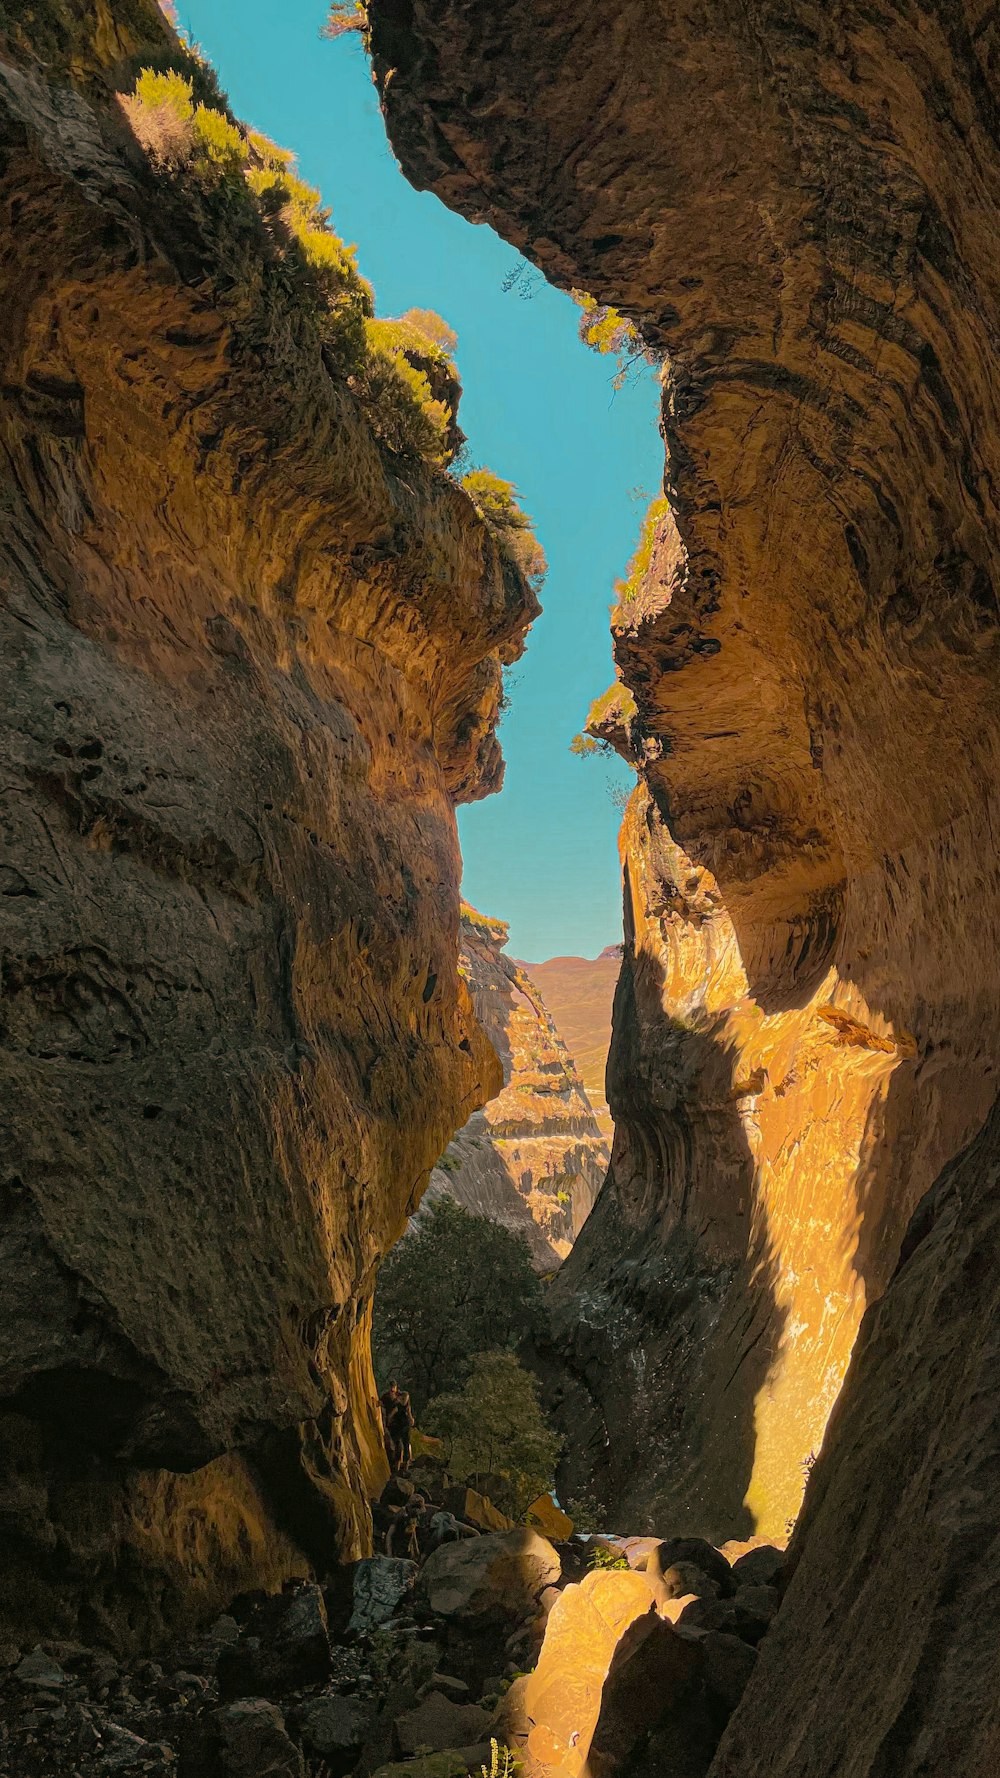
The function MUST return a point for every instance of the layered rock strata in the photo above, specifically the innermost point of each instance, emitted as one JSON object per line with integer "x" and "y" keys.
{"x": 579, "y": 993}
{"x": 534, "y": 1157}
{"x": 251, "y": 660}
{"x": 798, "y": 207}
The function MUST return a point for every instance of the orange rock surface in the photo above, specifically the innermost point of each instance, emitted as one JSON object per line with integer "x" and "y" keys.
{"x": 798, "y": 206}
{"x": 579, "y": 993}
{"x": 534, "y": 1157}
{"x": 251, "y": 660}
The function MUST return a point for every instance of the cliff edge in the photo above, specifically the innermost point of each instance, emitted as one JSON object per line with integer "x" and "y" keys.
{"x": 252, "y": 656}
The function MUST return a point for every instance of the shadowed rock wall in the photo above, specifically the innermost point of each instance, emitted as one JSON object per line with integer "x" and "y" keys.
{"x": 251, "y": 659}
{"x": 799, "y": 207}
{"x": 534, "y": 1158}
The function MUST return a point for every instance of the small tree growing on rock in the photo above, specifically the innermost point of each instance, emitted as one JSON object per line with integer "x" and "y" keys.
{"x": 454, "y": 1288}
{"x": 496, "y": 1433}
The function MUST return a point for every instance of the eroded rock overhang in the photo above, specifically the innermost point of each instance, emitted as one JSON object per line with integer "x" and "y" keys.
{"x": 798, "y": 210}
{"x": 252, "y": 659}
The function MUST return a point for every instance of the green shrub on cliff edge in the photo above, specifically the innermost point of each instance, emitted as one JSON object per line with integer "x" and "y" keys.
{"x": 496, "y": 1436}
{"x": 344, "y": 16}
{"x": 402, "y": 372}
{"x": 497, "y": 502}
{"x": 628, "y": 589}
{"x": 604, "y": 330}
{"x": 456, "y": 1286}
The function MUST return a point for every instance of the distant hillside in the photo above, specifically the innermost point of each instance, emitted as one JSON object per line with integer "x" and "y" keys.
{"x": 579, "y": 992}
{"x": 535, "y": 1157}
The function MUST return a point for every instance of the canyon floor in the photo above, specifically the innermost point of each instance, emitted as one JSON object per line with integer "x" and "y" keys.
{"x": 613, "y": 1655}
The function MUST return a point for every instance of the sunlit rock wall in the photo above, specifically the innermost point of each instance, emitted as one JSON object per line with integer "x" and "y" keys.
{"x": 251, "y": 659}
{"x": 534, "y": 1158}
{"x": 799, "y": 206}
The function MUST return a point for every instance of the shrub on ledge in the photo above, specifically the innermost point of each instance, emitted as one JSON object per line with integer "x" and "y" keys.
{"x": 261, "y": 213}
{"x": 496, "y": 500}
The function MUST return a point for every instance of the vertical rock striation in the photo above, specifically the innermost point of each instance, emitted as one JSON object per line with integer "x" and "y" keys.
{"x": 799, "y": 208}
{"x": 534, "y": 1158}
{"x": 251, "y": 660}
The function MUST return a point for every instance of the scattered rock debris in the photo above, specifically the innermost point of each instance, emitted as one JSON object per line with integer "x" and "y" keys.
{"x": 412, "y": 1669}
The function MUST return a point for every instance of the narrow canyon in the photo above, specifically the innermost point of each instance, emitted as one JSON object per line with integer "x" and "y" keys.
{"x": 255, "y": 631}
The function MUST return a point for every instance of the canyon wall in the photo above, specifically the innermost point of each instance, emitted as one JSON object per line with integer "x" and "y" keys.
{"x": 534, "y": 1158}
{"x": 579, "y": 993}
{"x": 798, "y": 208}
{"x": 251, "y": 660}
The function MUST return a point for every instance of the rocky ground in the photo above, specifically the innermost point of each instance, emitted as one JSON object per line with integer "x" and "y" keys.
{"x": 627, "y": 1654}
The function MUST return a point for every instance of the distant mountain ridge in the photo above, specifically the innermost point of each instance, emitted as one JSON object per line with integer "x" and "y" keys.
{"x": 579, "y": 993}
{"x": 534, "y": 1158}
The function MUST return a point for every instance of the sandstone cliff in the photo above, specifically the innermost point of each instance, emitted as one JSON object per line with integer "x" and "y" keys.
{"x": 579, "y": 993}
{"x": 251, "y": 659}
{"x": 798, "y": 206}
{"x": 534, "y": 1158}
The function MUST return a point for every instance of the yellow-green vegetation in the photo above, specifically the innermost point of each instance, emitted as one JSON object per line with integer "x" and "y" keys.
{"x": 586, "y": 1512}
{"x": 603, "y": 1555}
{"x": 604, "y": 330}
{"x": 497, "y": 501}
{"x": 616, "y": 705}
{"x": 458, "y": 1286}
{"x": 628, "y": 589}
{"x": 411, "y": 368}
{"x": 345, "y": 15}
{"x": 497, "y": 1437}
{"x": 269, "y": 224}
{"x": 503, "y": 1763}
{"x": 497, "y": 931}
{"x": 251, "y": 197}
{"x": 614, "y": 709}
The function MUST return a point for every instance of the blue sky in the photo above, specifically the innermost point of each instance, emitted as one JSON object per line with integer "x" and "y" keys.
{"x": 538, "y": 408}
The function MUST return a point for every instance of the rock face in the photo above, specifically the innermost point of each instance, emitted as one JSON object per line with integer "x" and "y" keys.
{"x": 609, "y": 1668}
{"x": 579, "y": 993}
{"x": 800, "y": 209}
{"x": 251, "y": 660}
{"x": 534, "y": 1158}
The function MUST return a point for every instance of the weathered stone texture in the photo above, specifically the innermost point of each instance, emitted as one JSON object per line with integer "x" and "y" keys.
{"x": 534, "y": 1158}
{"x": 799, "y": 206}
{"x": 250, "y": 661}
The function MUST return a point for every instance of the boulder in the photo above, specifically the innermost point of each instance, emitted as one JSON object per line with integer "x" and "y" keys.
{"x": 39, "y": 1670}
{"x": 123, "y": 1751}
{"x": 456, "y": 1762}
{"x": 510, "y": 1720}
{"x": 380, "y": 1586}
{"x": 699, "y": 1552}
{"x": 708, "y": 1614}
{"x": 253, "y": 1743}
{"x": 492, "y": 1578}
{"x": 398, "y": 1491}
{"x": 475, "y": 1509}
{"x": 548, "y": 1517}
{"x": 637, "y": 1550}
{"x": 335, "y": 1728}
{"x": 727, "y": 1664}
{"x": 439, "y": 1723}
{"x": 759, "y": 1567}
{"x": 683, "y": 1578}
{"x": 608, "y": 1669}
{"x": 755, "y": 1607}
{"x": 283, "y": 1645}
{"x": 453, "y": 1688}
